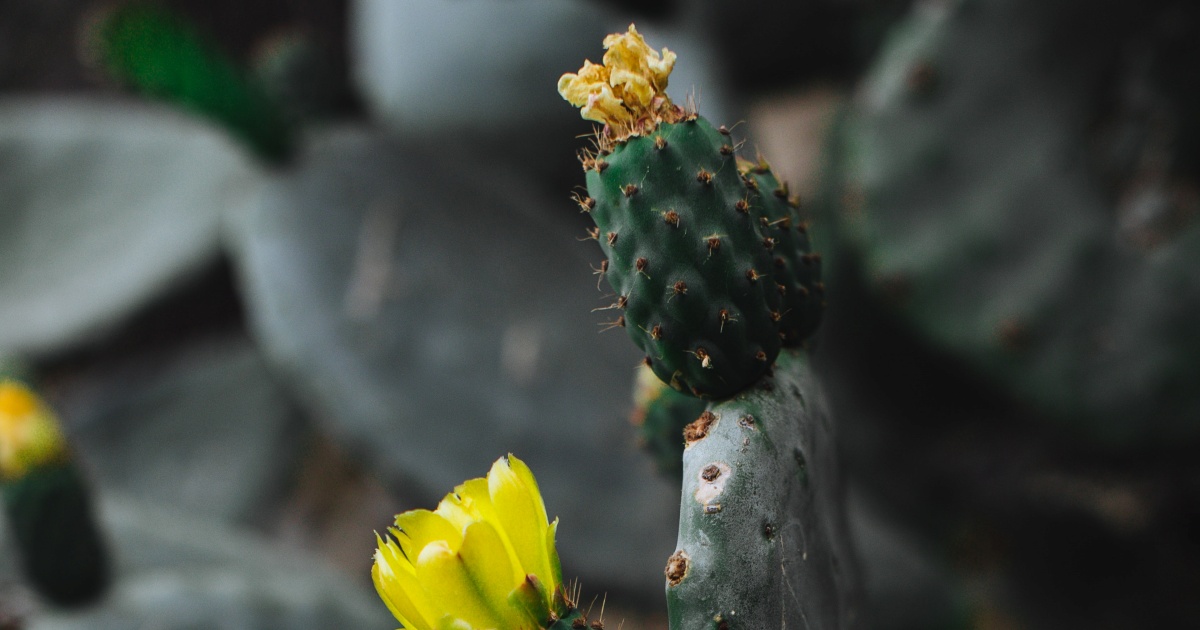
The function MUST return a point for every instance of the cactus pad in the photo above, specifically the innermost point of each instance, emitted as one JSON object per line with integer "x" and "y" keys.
{"x": 696, "y": 257}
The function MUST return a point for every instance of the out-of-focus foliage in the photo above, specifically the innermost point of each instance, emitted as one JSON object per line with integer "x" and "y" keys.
{"x": 158, "y": 53}
{"x": 106, "y": 206}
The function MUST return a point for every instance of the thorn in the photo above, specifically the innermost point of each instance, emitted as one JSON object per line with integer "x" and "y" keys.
{"x": 752, "y": 275}
{"x": 768, "y": 243}
{"x": 781, "y": 288}
{"x": 671, "y": 218}
{"x": 714, "y": 244}
{"x": 600, "y": 272}
{"x": 704, "y": 177}
{"x": 742, "y": 206}
{"x": 726, "y": 149}
{"x": 586, "y": 204}
{"x": 593, "y": 234}
{"x": 612, "y": 239}
{"x": 776, "y": 316}
{"x": 750, "y": 182}
{"x": 617, "y": 323}
{"x": 660, "y": 143}
{"x": 761, "y": 356}
{"x": 723, "y": 130}
{"x": 680, "y": 288}
{"x": 725, "y": 318}
{"x": 640, "y": 266}
{"x": 630, "y": 190}
{"x": 702, "y": 354}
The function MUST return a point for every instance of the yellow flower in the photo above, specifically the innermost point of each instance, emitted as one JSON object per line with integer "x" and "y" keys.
{"x": 629, "y": 87}
{"x": 483, "y": 560}
{"x": 29, "y": 432}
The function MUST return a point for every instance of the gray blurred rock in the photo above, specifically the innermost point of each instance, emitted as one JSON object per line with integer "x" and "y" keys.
{"x": 434, "y": 306}
{"x": 106, "y": 204}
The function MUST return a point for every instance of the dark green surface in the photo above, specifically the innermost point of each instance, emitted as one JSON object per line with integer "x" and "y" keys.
{"x": 660, "y": 431}
{"x": 62, "y": 552}
{"x": 677, "y": 330}
{"x": 159, "y": 54}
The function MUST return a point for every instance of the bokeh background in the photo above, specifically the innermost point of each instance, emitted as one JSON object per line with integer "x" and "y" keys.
{"x": 288, "y": 267}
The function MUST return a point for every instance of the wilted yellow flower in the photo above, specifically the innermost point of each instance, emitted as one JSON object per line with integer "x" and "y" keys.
{"x": 29, "y": 432}
{"x": 629, "y": 87}
{"x": 483, "y": 560}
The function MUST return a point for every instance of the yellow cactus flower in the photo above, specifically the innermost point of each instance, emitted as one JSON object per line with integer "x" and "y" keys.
{"x": 483, "y": 560}
{"x": 629, "y": 90}
{"x": 29, "y": 432}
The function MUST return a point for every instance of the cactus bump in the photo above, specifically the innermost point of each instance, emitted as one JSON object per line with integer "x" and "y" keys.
{"x": 708, "y": 258}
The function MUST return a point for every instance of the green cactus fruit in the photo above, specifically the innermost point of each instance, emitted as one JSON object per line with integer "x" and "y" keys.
{"x": 660, "y": 414}
{"x": 688, "y": 256}
{"x": 158, "y": 53}
{"x": 62, "y": 552}
{"x": 795, "y": 269}
{"x": 763, "y": 539}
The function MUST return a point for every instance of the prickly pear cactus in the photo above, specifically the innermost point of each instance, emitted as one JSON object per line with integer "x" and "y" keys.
{"x": 47, "y": 502}
{"x": 1022, "y": 210}
{"x": 51, "y": 518}
{"x": 660, "y": 414}
{"x": 762, "y": 532}
{"x": 711, "y": 272}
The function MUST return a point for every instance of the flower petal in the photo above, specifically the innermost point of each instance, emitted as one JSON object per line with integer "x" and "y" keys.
{"x": 522, "y": 516}
{"x": 495, "y": 575}
{"x": 417, "y": 528}
{"x": 396, "y": 582}
{"x": 449, "y": 582}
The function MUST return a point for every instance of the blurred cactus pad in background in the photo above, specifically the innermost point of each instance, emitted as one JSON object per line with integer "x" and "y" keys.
{"x": 272, "y": 273}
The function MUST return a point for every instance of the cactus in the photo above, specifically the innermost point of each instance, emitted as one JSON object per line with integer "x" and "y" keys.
{"x": 714, "y": 275}
{"x": 762, "y": 539}
{"x": 1008, "y": 213}
{"x": 47, "y": 502}
{"x": 690, "y": 241}
{"x": 50, "y": 515}
{"x": 660, "y": 414}
{"x": 158, "y": 53}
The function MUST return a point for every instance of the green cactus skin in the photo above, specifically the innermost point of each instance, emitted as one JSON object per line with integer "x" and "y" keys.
{"x": 158, "y": 53}
{"x": 61, "y": 549}
{"x": 988, "y": 214}
{"x": 795, "y": 266}
{"x": 660, "y": 423}
{"x": 762, "y": 532}
{"x": 690, "y": 252}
